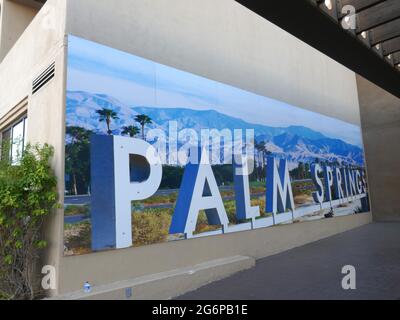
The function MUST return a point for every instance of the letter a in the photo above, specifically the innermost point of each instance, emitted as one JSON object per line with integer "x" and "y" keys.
{"x": 198, "y": 191}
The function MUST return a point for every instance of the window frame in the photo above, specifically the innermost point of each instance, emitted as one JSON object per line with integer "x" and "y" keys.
{"x": 12, "y": 118}
{"x": 23, "y": 119}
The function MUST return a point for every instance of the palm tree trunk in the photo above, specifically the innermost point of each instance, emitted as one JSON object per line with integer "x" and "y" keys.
{"x": 75, "y": 188}
{"x": 143, "y": 132}
{"x": 262, "y": 166}
{"x": 108, "y": 126}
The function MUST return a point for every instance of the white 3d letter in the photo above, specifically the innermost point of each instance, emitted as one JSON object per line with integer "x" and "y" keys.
{"x": 337, "y": 183}
{"x": 244, "y": 210}
{"x": 279, "y": 187}
{"x": 126, "y": 190}
{"x": 198, "y": 191}
{"x": 328, "y": 176}
{"x": 319, "y": 194}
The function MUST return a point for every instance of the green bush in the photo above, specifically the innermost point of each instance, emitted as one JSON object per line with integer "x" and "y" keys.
{"x": 27, "y": 195}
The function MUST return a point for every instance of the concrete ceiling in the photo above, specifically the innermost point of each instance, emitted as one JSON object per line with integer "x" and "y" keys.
{"x": 319, "y": 24}
{"x": 377, "y": 24}
{"x": 31, "y": 3}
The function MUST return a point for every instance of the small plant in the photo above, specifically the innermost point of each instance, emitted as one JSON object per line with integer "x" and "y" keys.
{"x": 358, "y": 210}
{"x": 27, "y": 195}
{"x": 330, "y": 214}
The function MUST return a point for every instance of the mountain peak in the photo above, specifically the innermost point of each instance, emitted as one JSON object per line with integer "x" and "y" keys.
{"x": 295, "y": 143}
{"x": 305, "y": 132}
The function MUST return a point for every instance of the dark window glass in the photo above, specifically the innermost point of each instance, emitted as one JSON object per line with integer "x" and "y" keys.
{"x": 13, "y": 141}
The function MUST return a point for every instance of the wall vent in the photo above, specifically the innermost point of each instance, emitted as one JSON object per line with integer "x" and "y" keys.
{"x": 43, "y": 78}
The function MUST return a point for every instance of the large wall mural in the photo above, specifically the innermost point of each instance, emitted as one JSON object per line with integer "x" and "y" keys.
{"x": 155, "y": 154}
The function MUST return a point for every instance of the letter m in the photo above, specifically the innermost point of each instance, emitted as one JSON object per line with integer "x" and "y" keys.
{"x": 279, "y": 189}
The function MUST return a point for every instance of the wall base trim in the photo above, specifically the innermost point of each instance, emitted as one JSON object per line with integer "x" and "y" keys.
{"x": 108, "y": 271}
{"x": 165, "y": 285}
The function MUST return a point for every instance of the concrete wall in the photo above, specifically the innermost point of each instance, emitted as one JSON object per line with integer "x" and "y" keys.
{"x": 41, "y": 44}
{"x": 14, "y": 19}
{"x": 223, "y": 41}
{"x": 116, "y": 265}
{"x": 380, "y": 114}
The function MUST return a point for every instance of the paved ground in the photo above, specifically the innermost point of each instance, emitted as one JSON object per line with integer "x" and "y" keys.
{"x": 313, "y": 271}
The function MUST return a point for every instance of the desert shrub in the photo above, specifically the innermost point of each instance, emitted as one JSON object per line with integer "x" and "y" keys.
{"x": 150, "y": 226}
{"x": 156, "y": 199}
{"x": 72, "y": 210}
{"x": 27, "y": 195}
{"x": 230, "y": 207}
{"x": 77, "y": 238}
{"x": 260, "y": 202}
{"x": 202, "y": 224}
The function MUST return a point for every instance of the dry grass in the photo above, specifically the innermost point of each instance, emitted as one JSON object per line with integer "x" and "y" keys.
{"x": 303, "y": 199}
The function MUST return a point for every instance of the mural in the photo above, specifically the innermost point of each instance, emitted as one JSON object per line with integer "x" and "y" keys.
{"x": 298, "y": 165}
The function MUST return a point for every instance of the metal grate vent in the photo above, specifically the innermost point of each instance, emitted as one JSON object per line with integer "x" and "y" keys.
{"x": 43, "y": 78}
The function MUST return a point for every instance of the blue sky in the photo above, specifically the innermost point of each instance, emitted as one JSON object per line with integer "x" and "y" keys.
{"x": 140, "y": 82}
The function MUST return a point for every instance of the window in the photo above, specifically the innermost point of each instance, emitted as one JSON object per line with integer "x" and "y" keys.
{"x": 13, "y": 140}
{"x": 6, "y": 136}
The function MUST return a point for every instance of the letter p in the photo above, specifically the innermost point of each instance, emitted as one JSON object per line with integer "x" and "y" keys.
{"x": 122, "y": 170}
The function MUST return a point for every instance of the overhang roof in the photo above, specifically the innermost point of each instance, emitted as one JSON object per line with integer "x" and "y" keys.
{"x": 377, "y": 23}
{"x": 371, "y": 49}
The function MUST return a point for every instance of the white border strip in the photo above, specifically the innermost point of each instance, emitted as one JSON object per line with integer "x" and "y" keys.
{"x": 278, "y": 218}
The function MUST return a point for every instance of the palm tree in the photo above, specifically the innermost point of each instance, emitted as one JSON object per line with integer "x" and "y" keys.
{"x": 260, "y": 147}
{"x": 132, "y": 131}
{"x": 301, "y": 170}
{"x": 77, "y": 156}
{"x": 143, "y": 120}
{"x": 107, "y": 115}
{"x": 78, "y": 134}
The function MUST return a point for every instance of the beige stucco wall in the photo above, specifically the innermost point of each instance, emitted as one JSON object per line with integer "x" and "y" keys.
{"x": 41, "y": 44}
{"x": 14, "y": 19}
{"x": 380, "y": 114}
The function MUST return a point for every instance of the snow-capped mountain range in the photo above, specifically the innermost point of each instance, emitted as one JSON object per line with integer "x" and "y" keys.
{"x": 295, "y": 143}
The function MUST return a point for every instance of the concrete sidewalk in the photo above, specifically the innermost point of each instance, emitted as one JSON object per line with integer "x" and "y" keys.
{"x": 313, "y": 271}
